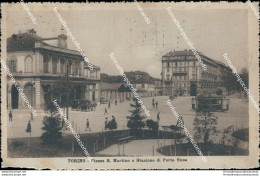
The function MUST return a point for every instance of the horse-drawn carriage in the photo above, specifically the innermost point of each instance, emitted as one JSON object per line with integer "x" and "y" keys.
{"x": 83, "y": 105}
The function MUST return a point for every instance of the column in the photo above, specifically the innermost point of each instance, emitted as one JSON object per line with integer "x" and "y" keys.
{"x": 41, "y": 64}
{"x": 38, "y": 93}
{"x": 9, "y": 96}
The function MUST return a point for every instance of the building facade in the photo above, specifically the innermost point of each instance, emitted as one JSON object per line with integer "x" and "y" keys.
{"x": 37, "y": 66}
{"x": 142, "y": 82}
{"x": 114, "y": 91}
{"x": 182, "y": 74}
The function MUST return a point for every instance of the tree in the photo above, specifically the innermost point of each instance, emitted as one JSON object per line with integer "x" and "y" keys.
{"x": 51, "y": 127}
{"x": 135, "y": 120}
{"x": 152, "y": 125}
{"x": 62, "y": 90}
{"x": 205, "y": 122}
{"x": 219, "y": 92}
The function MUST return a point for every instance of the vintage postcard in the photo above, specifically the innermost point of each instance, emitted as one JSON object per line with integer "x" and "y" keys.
{"x": 130, "y": 85}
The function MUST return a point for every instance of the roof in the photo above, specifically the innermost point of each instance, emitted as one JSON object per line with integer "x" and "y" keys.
{"x": 179, "y": 53}
{"x": 109, "y": 86}
{"x": 190, "y": 52}
{"x": 136, "y": 73}
{"x": 25, "y": 41}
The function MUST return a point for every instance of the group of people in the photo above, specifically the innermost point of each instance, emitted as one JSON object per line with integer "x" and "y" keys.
{"x": 112, "y": 121}
{"x": 155, "y": 104}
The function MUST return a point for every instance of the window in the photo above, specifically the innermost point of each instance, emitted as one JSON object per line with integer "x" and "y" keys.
{"x": 46, "y": 64}
{"x": 168, "y": 77}
{"x": 28, "y": 65}
{"x": 168, "y": 64}
{"x": 77, "y": 68}
{"x": 54, "y": 65}
{"x": 12, "y": 65}
{"x": 176, "y": 64}
{"x": 62, "y": 65}
{"x": 69, "y": 67}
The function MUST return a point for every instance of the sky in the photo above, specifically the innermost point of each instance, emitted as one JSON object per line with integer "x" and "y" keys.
{"x": 137, "y": 45}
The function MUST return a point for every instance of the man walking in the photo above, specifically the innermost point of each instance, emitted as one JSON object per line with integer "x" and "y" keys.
{"x": 158, "y": 116}
{"x": 156, "y": 104}
{"x": 108, "y": 106}
{"x": 87, "y": 126}
{"x": 105, "y": 111}
{"x": 153, "y": 103}
{"x": 10, "y": 116}
{"x": 115, "y": 102}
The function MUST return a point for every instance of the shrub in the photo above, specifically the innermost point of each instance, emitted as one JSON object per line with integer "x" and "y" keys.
{"x": 17, "y": 143}
{"x": 52, "y": 129}
{"x": 152, "y": 125}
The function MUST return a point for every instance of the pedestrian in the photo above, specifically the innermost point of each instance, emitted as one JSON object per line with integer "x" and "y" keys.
{"x": 29, "y": 128}
{"x": 115, "y": 102}
{"x": 10, "y": 116}
{"x": 87, "y": 126}
{"x": 158, "y": 116}
{"x": 153, "y": 103}
{"x": 156, "y": 104}
{"x": 113, "y": 118}
{"x": 106, "y": 121}
{"x": 31, "y": 117}
{"x": 193, "y": 102}
{"x": 108, "y": 106}
{"x": 180, "y": 121}
{"x": 105, "y": 111}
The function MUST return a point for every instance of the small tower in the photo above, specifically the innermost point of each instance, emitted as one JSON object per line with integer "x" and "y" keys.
{"x": 62, "y": 41}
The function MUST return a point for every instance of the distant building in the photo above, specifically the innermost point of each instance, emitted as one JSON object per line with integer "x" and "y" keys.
{"x": 183, "y": 74}
{"x": 114, "y": 91}
{"x": 158, "y": 86}
{"x": 141, "y": 81}
{"x": 37, "y": 65}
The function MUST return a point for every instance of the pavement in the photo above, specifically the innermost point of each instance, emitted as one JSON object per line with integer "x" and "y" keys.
{"x": 137, "y": 148}
{"x": 237, "y": 116}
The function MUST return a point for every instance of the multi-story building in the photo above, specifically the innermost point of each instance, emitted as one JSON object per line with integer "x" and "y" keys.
{"x": 37, "y": 65}
{"x": 142, "y": 82}
{"x": 182, "y": 74}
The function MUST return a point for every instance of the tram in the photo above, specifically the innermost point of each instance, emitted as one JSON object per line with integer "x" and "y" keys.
{"x": 214, "y": 103}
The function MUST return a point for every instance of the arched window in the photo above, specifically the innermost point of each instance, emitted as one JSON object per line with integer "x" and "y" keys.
{"x": 54, "y": 65}
{"x": 62, "y": 65}
{"x": 12, "y": 64}
{"x": 46, "y": 63}
{"x": 28, "y": 65}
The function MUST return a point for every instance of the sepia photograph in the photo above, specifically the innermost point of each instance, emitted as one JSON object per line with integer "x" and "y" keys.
{"x": 129, "y": 85}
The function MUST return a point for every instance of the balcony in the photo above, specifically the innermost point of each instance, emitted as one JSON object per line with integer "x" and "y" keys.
{"x": 167, "y": 81}
{"x": 177, "y": 73}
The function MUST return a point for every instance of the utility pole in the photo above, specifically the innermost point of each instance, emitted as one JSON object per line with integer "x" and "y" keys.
{"x": 67, "y": 98}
